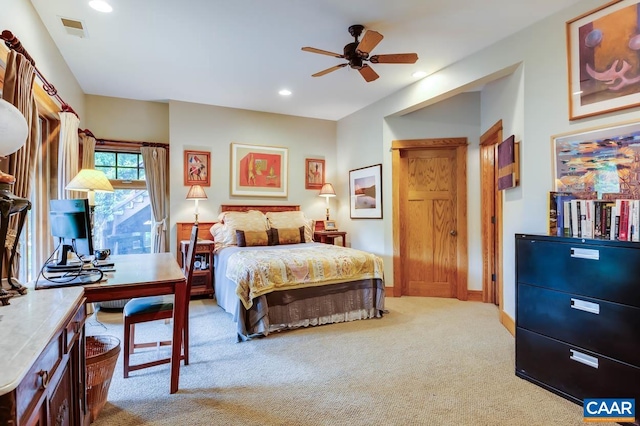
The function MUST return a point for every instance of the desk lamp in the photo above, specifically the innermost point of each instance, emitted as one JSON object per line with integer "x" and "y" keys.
{"x": 327, "y": 192}
{"x": 90, "y": 181}
{"x": 196, "y": 193}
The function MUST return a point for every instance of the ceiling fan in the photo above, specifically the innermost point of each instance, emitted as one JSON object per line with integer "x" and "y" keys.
{"x": 357, "y": 53}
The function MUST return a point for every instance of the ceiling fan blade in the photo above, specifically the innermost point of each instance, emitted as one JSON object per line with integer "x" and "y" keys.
{"x": 369, "y": 41}
{"x": 368, "y": 73}
{"x": 395, "y": 58}
{"x": 322, "y": 52}
{"x": 328, "y": 70}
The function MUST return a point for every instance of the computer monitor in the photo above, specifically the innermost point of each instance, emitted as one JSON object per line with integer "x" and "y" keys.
{"x": 70, "y": 222}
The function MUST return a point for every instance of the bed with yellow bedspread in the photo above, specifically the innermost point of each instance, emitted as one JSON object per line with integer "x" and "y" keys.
{"x": 288, "y": 286}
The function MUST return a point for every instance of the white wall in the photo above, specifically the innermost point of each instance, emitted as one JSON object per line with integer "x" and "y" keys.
{"x": 127, "y": 119}
{"x": 211, "y": 128}
{"x": 19, "y": 17}
{"x": 533, "y": 104}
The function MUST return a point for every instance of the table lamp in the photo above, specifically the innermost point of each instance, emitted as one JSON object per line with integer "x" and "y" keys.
{"x": 196, "y": 193}
{"x": 327, "y": 192}
{"x": 90, "y": 181}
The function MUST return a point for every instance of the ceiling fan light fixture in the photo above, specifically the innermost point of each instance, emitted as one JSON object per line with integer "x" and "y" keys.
{"x": 101, "y": 6}
{"x": 419, "y": 74}
{"x": 284, "y": 92}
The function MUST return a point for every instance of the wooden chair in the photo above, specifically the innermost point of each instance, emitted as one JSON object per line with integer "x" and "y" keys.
{"x": 144, "y": 309}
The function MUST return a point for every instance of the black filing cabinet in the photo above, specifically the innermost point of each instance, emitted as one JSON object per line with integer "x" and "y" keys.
{"x": 578, "y": 316}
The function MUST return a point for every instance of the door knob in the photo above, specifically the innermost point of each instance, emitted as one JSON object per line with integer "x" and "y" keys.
{"x": 453, "y": 232}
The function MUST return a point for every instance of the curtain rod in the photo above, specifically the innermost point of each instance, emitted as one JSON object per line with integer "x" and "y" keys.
{"x": 100, "y": 141}
{"x": 13, "y": 43}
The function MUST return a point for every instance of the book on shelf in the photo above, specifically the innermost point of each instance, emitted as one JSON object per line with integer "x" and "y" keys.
{"x": 571, "y": 215}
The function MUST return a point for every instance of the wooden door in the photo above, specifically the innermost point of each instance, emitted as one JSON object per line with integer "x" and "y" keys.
{"x": 491, "y": 216}
{"x": 430, "y": 223}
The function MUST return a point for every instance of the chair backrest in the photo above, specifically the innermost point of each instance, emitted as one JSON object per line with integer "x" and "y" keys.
{"x": 190, "y": 260}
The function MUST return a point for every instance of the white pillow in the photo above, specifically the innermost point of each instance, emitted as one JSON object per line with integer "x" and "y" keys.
{"x": 293, "y": 219}
{"x": 230, "y": 222}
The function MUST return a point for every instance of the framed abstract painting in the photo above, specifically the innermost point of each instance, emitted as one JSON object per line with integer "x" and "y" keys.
{"x": 604, "y": 71}
{"x": 259, "y": 171}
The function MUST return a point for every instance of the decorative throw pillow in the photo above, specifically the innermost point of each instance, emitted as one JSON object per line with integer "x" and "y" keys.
{"x": 252, "y": 238}
{"x": 287, "y": 235}
{"x": 223, "y": 236}
{"x": 289, "y": 220}
{"x": 252, "y": 220}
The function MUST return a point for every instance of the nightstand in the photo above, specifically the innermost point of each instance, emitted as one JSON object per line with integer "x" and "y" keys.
{"x": 329, "y": 237}
{"x": 202, "y": 281}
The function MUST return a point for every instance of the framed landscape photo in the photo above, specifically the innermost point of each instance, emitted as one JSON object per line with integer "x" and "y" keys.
{"x": 197, "y": 166}
{"x": 314, "y": 173}
{"x": 604, "y": 71}
{"x": 365, "y": 191}
{"x": 259, "y": 171}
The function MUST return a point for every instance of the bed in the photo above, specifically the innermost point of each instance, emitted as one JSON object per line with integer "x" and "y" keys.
{"x": 271, "y": 276}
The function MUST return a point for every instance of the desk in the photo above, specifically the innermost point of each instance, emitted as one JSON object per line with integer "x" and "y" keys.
{"x": 329, "y": 237}
{"x": 139, "y": 275}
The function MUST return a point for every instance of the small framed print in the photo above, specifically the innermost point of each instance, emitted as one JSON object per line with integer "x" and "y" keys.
{"x": 314, "y": 173}
{"x": 196, "y": 168}
{"x": 365, "y": 190}
{"x": 330, "y": 225}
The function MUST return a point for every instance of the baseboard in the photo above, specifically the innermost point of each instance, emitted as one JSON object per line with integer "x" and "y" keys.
{"x": 474, "y": 295}
{"x": 508, "y": 323}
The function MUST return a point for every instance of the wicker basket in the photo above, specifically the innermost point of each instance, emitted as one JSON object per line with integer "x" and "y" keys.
{"x": 101, "y": 354}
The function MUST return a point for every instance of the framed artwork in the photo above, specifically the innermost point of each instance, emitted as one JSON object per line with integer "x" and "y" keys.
{"x": 603, "y": 161}
{"x": 197, "y": 166}
{"x": 508, "y": 163}
{"x": 314, "y": 173}
{"x": 259, "y": 171}
{"x": 604, "y": 71}
{"x": 365, "y": 190}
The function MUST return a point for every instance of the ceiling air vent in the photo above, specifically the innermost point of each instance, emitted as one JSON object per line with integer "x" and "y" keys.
{"x": 74, "y": 28}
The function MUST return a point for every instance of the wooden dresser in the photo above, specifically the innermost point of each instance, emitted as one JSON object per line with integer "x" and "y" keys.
{"x": 578, "y": 316}
{"x": 43, "y": 379}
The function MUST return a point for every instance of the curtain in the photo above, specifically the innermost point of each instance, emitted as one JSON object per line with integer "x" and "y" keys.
{"x": 155, "y": 167}
{"x": 88, "y": 150}
{"x": 68, "y": 155}
{"x": 18, "y": 84}
{"x": 18, "y": 90}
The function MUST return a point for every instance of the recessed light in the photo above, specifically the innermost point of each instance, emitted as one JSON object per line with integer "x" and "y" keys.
{"x": 101, "y": 6}
{"x": 419, "y": 74}
{"x": 284, "y": 92}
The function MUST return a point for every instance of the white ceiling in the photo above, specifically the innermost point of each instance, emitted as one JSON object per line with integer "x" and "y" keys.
{"x": 240, "y": 53}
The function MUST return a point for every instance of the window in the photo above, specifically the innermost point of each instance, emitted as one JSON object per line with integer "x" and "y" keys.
{"x": 122, "y": 219}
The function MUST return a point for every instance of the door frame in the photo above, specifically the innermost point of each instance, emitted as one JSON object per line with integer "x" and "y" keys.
{"x": 399, "y": 169}
{"x": 491, "y": 216}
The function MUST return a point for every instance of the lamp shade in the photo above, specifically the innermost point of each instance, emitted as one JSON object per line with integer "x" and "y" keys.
{"x": 13, "y": 128}
{"x": 196, "y": 193}
{"x": 327, "y": 191}
{"x": 90, "y": 180}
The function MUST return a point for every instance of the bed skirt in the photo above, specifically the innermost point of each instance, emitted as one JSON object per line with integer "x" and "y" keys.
{"x": 302, "y": 307}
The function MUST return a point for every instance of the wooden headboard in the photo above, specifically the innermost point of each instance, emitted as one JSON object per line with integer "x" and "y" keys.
{"x": 263, "y": 209}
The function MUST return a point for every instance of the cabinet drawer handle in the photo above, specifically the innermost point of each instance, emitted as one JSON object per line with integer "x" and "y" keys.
{"x": 583, "y": 305}
{"x": 584, "y": 358}
{"x": 582, "y": 253}
{"x": 44, "y": 377}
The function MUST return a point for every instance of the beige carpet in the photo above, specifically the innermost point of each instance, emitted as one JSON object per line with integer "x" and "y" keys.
{"x": 427, "y": 362}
